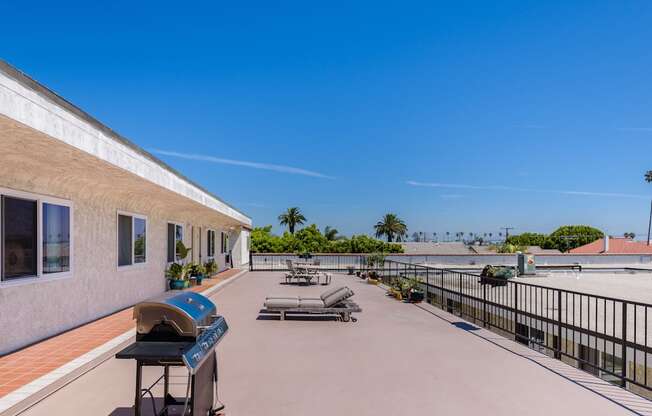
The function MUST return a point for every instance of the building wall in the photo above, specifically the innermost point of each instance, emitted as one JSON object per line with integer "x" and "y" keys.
{"x": 50, "y": 147}
{"x": 241, "y": 247}
{"x": 34, "y": 308}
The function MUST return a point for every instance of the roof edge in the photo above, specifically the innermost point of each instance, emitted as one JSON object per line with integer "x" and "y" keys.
{"x": 30, "y": 83}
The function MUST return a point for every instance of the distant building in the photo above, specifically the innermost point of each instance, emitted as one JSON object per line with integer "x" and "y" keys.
{"x": 614, "y": 245}
{"x": 529, "y": 249}
{"x": 432, "y": 249}
{"x": 460, "y": 248}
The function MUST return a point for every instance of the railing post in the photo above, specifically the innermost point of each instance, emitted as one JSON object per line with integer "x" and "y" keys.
{"x": 515, "y": 310}
{"x": 442, "y": 290}
{"x": 558, "y": 346}
{"x": 484, "y": 306}
{"x": 624, "y": 369}
{"x": 427, "y": 283}
{"x": 460, "y": 291}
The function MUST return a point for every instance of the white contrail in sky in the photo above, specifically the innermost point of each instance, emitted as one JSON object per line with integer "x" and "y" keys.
{"x": 254, "y": 165}
{"x": 517, "y": 189}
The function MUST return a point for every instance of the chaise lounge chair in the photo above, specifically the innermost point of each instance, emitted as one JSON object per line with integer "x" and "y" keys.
{"x": 295, "y": 273}
{"x": 300, "y": 273}
{"x": 332, "y": 302}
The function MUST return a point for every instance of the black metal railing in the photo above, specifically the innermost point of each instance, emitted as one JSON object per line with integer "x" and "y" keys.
{"x": 605, "y": 336}
{"x": 327, "y": 262}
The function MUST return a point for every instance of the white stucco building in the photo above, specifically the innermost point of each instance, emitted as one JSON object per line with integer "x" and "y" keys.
{"x": 89, "y": 220}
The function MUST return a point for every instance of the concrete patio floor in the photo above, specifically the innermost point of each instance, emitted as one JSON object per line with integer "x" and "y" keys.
{"x": 397, "y": 359}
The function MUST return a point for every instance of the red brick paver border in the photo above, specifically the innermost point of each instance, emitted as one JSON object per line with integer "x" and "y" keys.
{"x": 26, "y": 365}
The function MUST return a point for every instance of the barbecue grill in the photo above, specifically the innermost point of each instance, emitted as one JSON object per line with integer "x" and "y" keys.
{"x": 177, "y": 330}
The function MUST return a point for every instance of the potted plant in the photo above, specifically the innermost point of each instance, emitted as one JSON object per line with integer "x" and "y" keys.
{"x": 373, "y": 262}
{"x": 211, "y": 268}
{"x": 372, "y": 278}
{"x": 197, "y": 271}
{"x": 496, "y": 275}
{"x": 414, "y": 292}
{"x": 396, "y": 288}
{"x": 176, "y": 274}
{"x": 182, "y": 251}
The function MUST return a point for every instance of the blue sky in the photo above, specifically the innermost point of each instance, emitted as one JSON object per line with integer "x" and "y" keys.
{"x": 457, "y": 116}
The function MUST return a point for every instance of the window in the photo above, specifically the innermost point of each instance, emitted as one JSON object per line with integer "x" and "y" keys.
{"x": 175, "y": 234}
{"x": 210, "y": 243}
{"x": 140, "y": 240}
{"x": 132, "y": 239}
{"x": 225, "y": 243}
{"x": 56, "y": 238}
{"x": 19, "y": 237}
{"x": 35, "y": 236}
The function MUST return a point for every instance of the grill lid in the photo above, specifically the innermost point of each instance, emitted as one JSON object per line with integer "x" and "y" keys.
{"x": 185, "y": 312}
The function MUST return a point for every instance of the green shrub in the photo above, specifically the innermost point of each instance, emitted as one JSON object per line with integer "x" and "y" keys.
{"x": 311, "y": 240}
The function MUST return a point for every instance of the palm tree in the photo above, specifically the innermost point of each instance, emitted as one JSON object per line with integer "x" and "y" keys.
{"x": 331, "y": 233}
{"x": 392, "y": 227}
{"x": 292, "y": 217}
{"x": 648, "y": 179}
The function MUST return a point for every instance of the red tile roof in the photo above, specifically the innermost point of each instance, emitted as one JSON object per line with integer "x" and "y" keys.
{"x": 617, "y": 245}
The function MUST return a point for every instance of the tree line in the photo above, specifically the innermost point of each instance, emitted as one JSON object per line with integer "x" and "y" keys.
{"x": 311, "y": 239}
{"x": 564, "y": 238}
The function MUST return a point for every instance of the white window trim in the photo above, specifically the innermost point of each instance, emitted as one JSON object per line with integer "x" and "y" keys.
{"x": 40, "y": 276}
{"x": 133, "y": 264}
{"x": 183, "y": 237}
{"x": 208, "y": 256}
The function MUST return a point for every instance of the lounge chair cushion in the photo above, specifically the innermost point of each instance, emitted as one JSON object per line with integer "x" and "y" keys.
{"x": 339, "y": 295}
{"x": 330, "y": 292}
{"x": 311, "y": 303}
{"x": 282, "y": 297}
{"x": 282, "y": 303}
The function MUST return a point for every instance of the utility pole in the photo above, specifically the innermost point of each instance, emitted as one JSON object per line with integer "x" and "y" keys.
{"x": 506, "y": 231}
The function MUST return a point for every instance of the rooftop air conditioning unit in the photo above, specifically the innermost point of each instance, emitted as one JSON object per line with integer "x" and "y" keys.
{"x": 526, "y": 264}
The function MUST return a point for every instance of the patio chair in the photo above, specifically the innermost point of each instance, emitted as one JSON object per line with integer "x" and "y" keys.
{"x": 296, "y": 273}
{"x": 334, "y": 301}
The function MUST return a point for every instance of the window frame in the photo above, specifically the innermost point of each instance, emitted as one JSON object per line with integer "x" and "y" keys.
{"x": 224, "y": 243}
{"x": 183, "y": 235}
{"x": 40, "y": 199}
{"x": 133, "y": 215}
{"x": 210, "y": 245}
